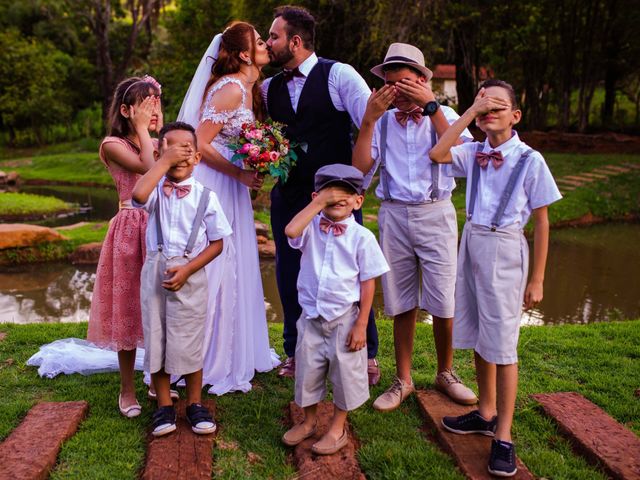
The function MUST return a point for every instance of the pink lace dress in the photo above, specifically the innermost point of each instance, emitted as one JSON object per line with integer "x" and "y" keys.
{"x": 115, "y": 320}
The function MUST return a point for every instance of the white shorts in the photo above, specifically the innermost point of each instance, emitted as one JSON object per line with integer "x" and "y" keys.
{"x": 492, "y": 276}
{"x": 419, "y": 243}
{"x": 321, "y": 352}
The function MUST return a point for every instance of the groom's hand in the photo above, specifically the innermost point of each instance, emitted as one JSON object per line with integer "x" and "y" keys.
{"x": 379, "y": 102}
{"x": 418, "y": 92}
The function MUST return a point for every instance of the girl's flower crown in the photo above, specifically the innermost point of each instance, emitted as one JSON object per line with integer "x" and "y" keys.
{"x": 145, "y": 79}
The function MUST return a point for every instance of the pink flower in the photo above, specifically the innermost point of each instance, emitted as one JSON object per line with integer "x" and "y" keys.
{"x": 273, "y": 156}
{"x": 244, "y": 149}
{"x": 254, "y": 150}
{"x": 257, "y": 134}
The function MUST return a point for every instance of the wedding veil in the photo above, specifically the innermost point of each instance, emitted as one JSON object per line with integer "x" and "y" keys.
{"x": 190, "y": 109}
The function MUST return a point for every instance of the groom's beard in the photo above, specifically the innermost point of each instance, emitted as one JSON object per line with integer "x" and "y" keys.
{"x": 281, "y": 58}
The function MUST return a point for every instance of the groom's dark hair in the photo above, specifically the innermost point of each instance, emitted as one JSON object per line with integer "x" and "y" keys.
{"x": 299, "y": 22}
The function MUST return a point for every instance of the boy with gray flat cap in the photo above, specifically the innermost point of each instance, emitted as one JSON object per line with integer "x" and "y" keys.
{"x": 340, "y": 262}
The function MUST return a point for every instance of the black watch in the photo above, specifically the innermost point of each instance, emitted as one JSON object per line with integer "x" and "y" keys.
{"x": 430, "y": 108}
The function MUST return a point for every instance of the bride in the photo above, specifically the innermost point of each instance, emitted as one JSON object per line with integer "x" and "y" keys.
{"x": 224, "y": 94}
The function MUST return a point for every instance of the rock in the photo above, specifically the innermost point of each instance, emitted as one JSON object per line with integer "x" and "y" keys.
{"x": 3, "y": 177}
{"x": 13, "y": 178}
{"x": 87, "y": 254}
{"x": 267, "y": 249}
{"x": 16, "y": 235}
{"x": 262, "y": 229}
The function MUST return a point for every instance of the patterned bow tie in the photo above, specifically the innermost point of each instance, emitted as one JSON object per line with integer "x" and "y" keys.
{"x": 403, "y": 117}
{"x": 181, "y": 190}
{"x": 289, "y": 74}
{"x": 493, "y": 156}
{"x": 338, "y": 228}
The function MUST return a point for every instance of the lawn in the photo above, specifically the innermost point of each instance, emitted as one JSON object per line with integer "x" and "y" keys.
{"x": 20, "y": 205}
{"x": 600, "y": 361}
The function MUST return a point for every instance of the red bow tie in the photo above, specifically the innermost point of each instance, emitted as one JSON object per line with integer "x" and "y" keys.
{"x": 494, "y": 157}
{"x": 289, "y": 74}
{"x": 403, "y": 117}
{"x": 181, "y": 190}
{"x": 338, "y": 228}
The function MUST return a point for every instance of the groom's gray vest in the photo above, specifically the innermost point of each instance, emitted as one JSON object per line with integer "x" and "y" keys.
{"x": 325, "y": 130}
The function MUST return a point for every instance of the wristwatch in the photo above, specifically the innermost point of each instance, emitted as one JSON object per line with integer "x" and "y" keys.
{"x": 430, "y": 108}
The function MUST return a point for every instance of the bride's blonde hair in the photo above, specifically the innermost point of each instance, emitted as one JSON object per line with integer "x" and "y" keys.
{"x": 236, "y": 38}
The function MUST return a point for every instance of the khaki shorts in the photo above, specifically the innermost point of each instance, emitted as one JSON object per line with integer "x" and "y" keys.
{"x": 173, "y": 322}
{"x": 492, "y": 276}
{"x": 321, "y": 352}
{"x": 419, "y": 243}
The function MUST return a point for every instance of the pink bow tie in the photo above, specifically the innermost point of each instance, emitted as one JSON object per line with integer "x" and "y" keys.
{"x": 181, "y": 190}
{"x": 338, "y": 228}
{"x": 403, "y": 117}
{"x": 494, "y": 157}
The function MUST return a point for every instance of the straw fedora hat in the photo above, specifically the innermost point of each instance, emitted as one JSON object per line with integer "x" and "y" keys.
{"x": 403, "y": 53}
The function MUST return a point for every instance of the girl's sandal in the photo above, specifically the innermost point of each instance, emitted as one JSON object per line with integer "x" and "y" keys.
{"x": 130, "y": 411}
{"x": 173, "y": 393}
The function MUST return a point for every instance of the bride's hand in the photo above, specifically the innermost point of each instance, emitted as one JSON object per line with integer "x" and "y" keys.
{"x": 251, "y": 179}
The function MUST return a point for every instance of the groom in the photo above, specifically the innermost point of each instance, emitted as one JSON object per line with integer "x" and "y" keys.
{"x": 317, "y": 99}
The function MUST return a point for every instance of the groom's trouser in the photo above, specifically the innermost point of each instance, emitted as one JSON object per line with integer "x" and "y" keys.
{"x": 288, "y": 267}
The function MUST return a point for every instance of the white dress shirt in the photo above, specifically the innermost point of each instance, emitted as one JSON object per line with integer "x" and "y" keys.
{"x": 534, "y": 188}
{"x": 407, "y": 159}
{"x": 348, "y": 90}
{"x": 177, "y": 216}
{"x": 332, "y": 267}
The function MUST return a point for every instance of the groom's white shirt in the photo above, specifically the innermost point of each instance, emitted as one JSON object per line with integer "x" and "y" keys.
{"x": 348, "y": 90}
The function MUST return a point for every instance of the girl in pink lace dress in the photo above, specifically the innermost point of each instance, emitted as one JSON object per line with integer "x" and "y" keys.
{"x": 115, "y": 320}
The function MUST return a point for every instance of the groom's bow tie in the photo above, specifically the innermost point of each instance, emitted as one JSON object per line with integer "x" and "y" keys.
{"x": 403, "y": 117}
{"x": 289, "y": 74}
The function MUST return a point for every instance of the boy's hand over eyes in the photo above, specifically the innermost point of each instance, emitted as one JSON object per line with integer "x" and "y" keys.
{"x": 177, "y": 153}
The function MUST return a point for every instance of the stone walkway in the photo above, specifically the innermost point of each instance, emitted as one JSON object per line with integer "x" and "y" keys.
{"x": 594, "y": 434}
{"x": 31, "y": 450}
{"x": 569, "y": 183}
{"x": 470, "y": 452}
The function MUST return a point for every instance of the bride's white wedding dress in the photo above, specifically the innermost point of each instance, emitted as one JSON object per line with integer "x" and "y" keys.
{"x": 236, "y": 336}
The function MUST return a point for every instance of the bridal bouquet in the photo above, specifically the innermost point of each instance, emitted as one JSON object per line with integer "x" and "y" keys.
{"x": 263, "y": 148}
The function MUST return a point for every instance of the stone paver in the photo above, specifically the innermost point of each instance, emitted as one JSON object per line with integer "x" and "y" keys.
{"x": 342, "y": 465}
{"x": 566, "y": 181}
{"x": 470, "y": 452}
{"x": 31, "y": 450}
{"x": 594, "y": 176}
{"x": 594, "y": 434}
{"x": 181, "y": 455}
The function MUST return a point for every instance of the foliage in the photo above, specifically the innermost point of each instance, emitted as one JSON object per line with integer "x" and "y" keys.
{"x": 600, "y": 361}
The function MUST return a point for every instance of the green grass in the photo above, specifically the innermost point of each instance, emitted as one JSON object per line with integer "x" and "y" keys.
{"x": 27, "y": 204}
{"x": 600, "y": 361}
{"x": 69, "y": 167}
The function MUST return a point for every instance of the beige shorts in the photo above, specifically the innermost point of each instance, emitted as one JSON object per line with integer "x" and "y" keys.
{"x": 173, "y": 322}
{"x": 419, "y": 243}
{"x": 321, "y": 352}
{"x": 492, "y": 275}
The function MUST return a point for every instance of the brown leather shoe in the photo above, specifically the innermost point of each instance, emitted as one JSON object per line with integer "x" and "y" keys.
{"x": 329, "y": 447}
{"x": 373, "y": 369}
{"x": 297, "y": 434}
{"x": 288, "y": 368}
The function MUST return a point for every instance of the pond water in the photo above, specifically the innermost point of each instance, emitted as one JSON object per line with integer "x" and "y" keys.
{"x": 592, "y": 276}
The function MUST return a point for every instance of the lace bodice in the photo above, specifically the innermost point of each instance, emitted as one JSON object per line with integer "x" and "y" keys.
{"x": 232, "y": 120}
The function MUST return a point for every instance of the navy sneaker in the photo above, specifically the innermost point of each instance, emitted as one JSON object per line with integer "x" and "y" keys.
{"x": 164, "y": 421}
{"x": 472, "y": 422}
{"x": 200, "y": 419}
{"x": 502, "y": 462}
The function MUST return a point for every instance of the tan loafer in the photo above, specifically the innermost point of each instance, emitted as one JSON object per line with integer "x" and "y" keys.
{"x": 329, "y": 447}
{"x": 297, "y": 434}
{"x": 450, "y": 384}
{"x": 394, "y": 396}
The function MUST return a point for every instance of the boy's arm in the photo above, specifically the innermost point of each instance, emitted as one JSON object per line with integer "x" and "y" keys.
{"x": 534, "y": 290}
{"x": 170, "y": 156}
{"x": 483, "y": 103}
{"x": 377, "y": 104}
{"x": 326, "y": 196}
{"x": 181, "y": 273}
{"x": 357, "y": 338}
